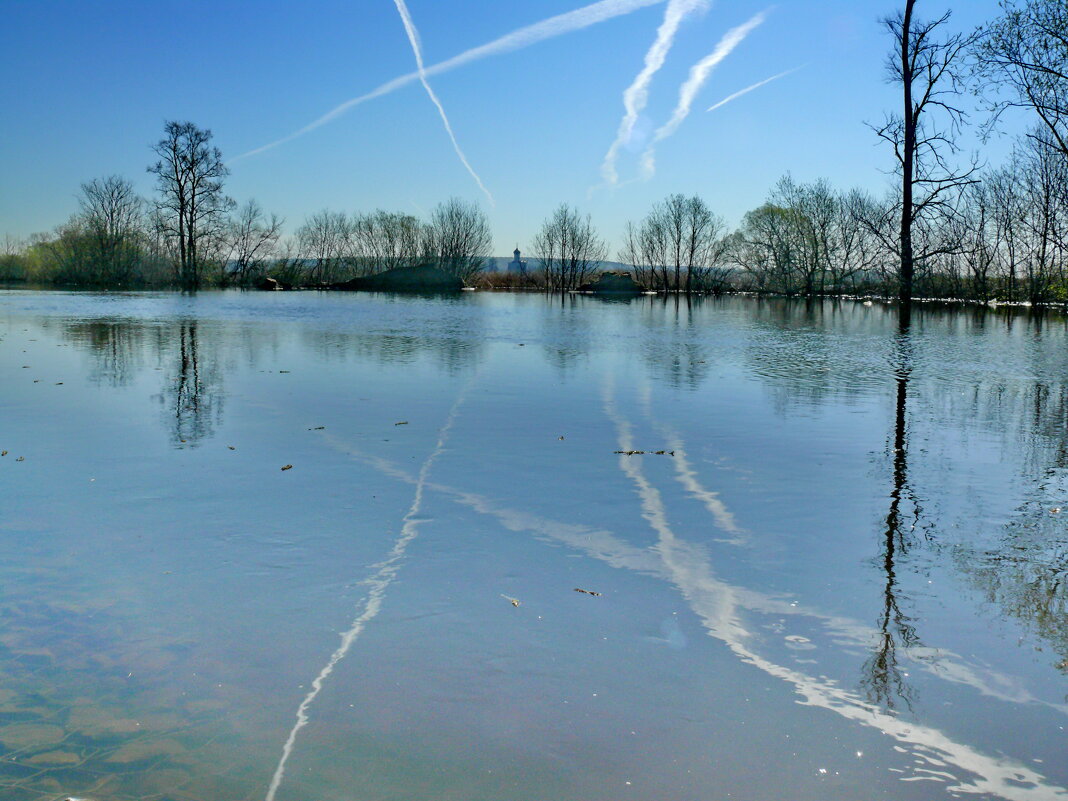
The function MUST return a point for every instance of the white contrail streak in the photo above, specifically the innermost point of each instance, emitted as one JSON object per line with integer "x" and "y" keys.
{"x": 749, "y": 89}
{"x": 516, "y": 40}
{"x": 372, "y": 604}
{"x": 413, "y": 38}
{"x": 699, "y": 73}
{"x": 636, "y": 95}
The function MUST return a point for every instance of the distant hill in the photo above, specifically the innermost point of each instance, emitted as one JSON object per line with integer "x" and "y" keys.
{"x": 499, "y": 264}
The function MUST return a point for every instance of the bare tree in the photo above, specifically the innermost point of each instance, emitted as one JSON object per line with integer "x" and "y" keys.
{"x": 323, "y": 240}
{"x": 383, "y": 240}
{"x": 458, "y": 238}
{"x": 568, "y": 248}
{"x": 113, "y": 218}
{"x": 930, "y": 72}
{"x": 1022, "y": 61}
{"x": 253, "y": 239}
{"x": 192, "y": 207}
{"x": 678, "y": 245}
{"x": 765, "y": 248}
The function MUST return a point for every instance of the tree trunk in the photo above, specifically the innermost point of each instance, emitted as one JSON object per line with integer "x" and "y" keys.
{"x": 908, "y": 161}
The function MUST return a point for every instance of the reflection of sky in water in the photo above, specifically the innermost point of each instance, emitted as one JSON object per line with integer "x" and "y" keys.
{"x": 879, "y": 577}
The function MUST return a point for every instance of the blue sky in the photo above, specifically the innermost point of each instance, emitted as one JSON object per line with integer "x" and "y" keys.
{"x": 89, "y": 85}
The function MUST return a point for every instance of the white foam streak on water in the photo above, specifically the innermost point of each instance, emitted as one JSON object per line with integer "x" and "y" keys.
{"x": 379, "y": 582}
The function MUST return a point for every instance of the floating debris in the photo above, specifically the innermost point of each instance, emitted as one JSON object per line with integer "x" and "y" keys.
{"x": 3, "y": 453}
{"x": 1055, "y": 510}
{"x": 231, "y": 447}
{"x": 21, "y": 459}
{"x": 401, "y": 423}
{"x": 287, "y": 467}
{"x": 283, "y": 371}
{"x": 586, "y": 592}
{"x": 317, "y": 428}
{"x": 510, "y": 599}
{"x": 59, "y": 383}
{"x": 640, "y": 453}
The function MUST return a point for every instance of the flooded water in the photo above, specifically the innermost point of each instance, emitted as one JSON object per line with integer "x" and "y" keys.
{"x": 298, "y": 547}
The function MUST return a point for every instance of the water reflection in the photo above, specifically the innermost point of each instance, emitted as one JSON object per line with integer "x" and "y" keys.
{"x": 883, "y": 677}
{"x": 117, "y": 348}
{"x": 673, "y": 349}
{"x": 970, "y": 410}
{"x": 193, "y": 398}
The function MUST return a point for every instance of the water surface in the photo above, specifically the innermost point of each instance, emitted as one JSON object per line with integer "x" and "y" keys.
{"x": 844, "y": 577}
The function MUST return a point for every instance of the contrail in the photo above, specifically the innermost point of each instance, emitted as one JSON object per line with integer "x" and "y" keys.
{"x": 379, "y": 583}
{"x": 749, "y": 89}
{"x": 699, "y": 73}
{"x": 516, "y": 40}
{"x": 413, "y": 37}
{"x": 636, "y": 95}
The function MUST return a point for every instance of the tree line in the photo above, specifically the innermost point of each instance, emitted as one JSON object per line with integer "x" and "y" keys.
{"x": 948, "y": 227}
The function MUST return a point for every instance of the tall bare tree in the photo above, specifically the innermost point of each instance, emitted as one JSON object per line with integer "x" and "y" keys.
{"x": 930, "y": 71}
{"x": 192, "y": 207}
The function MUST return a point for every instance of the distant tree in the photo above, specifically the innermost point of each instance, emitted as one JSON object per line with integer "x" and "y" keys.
{"x": 931, "y": 74}
{"x": 569, "y": 249}
{"x": 252, "y": 239}
{"x": 12, "y": 259}
{"x": 113, "y": 219}
{"x": 1022, "y": 60}
{"x": 458, "y": 238}
{"x": 643, "y": 248}
{"x": 680, "y": 241}
{"x": 382, "y": 240}
{"x": 191, "y": 207}
{"x": 323, "y": 240}
{"x": 1045, "y": 219}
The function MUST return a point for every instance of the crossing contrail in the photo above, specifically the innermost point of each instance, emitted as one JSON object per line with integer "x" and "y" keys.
{"x": 413, "y": 38}
{"x": 549, "y": 28}
{"x": 749, "y": 89}
{"x": 699, "y": 73}
{"x": 636, "y": 95}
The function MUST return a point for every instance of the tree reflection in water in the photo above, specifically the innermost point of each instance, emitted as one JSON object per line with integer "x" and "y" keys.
{"x": 193, "y": 397}
{"x": 883, "y": 678}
